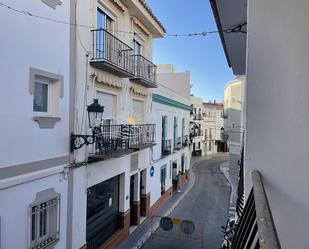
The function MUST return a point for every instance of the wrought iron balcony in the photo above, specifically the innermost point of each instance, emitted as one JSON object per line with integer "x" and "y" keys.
{"x": 178, "y": 144}
{"x": 166, "y": 147}
{"x": 113, "y": 141}
{"x": 141, "y": 136}
{"x": 197, "y": 116}
{"x": 196, "y": 132}
{"x": 185, "y": 141}
{"x": 255, "y": 227}
{"x": 145, "y": 72}
{"x": 224, "y": 114}
{"x": 111, "y": 54}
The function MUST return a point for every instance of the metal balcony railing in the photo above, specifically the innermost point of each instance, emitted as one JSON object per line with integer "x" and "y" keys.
{"x": 197, "y": 116}
{"x": 145, "y": 72}
{"x": 255, "y": 227}
{"x": 142, "y": 136}
{"x": 110, "y": 142}
{"x": 166, "y": 147}
{"x": 196, "y": 132}
{"x": 185, "y": 141}
{"x": 224, "y": 114}
{"x": 111, "y": 54}
{"x": 178, "y": 144}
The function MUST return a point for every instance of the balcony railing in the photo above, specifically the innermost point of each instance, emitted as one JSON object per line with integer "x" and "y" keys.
{"x": 196, "y": 133}
{"x": 142, "y": 136}
{"x": 223, "y": 114}
{"x": 117, "y": 140}
{"x": 111, "y": 142}
{"x": 166, "y": 147}
{"x": 111, "y": 54}
{"x": 185, "y": 141}
{"x": 145, "y": 72}
{"x": 197, "y": 116}
{"x": 255, "y": 227}
{"x": 178, "y": 144}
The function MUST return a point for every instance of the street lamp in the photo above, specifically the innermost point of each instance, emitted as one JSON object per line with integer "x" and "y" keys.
{"x": 95, "y": 113}
{"x": 95, "y": 116}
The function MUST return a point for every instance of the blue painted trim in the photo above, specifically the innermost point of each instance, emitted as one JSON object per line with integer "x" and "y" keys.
{"x": 170, "y": 102}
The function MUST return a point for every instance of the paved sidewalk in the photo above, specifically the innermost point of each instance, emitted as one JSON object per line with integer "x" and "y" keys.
{"x": 232, "y": 175}
{"x": 143, "y": 231}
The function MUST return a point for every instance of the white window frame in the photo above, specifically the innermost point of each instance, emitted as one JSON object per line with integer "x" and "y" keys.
{"x": 141, "y": 42}
{"x": 54, "y": 92}
{"x": 115, "y": 103}
{"x": 143, "y": 110}
{"x": 50, "y": 97}
{"x": 47, "y": 200}
{"x": 111, "y": 14}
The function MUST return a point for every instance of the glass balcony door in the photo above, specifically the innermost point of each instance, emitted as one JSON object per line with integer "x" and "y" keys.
{"x": 103, "y": 46}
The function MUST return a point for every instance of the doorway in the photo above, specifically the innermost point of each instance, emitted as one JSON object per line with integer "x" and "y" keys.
{"x": 174, "y": 175}
{"x": 132, "y": 200}
{"x": 102, "y": 212}
{"x": 143, "y": 193}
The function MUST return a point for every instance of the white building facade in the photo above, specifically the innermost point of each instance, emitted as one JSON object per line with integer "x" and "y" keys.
{"x": 171, "y": 154}
{"x": 108, "y": 182}
{"x": 276, "y": 103}
{"x": 35, "y": 124}
{"x": 197, "y": 138}
{"x": 232, "y": 114}
{"x": 213, "y": 125}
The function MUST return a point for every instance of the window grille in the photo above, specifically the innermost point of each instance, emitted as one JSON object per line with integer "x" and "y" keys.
{"x": 44, "y": 223}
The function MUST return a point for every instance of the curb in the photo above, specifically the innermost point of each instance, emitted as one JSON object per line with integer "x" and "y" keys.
{"x": 146, "y": 236}
{"x": 231, "y": 205}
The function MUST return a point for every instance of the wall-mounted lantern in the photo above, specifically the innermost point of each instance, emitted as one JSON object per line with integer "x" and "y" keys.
{"x": 95, "y": 116}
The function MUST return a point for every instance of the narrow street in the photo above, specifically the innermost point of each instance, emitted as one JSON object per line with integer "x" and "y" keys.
{"x": 207, "y": 202}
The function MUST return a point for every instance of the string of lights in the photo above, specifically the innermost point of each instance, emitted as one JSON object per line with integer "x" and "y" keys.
{"x": 236, "y": 29}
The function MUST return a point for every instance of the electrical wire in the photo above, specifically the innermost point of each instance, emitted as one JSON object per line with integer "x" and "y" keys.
{"x": 235, "y": 29}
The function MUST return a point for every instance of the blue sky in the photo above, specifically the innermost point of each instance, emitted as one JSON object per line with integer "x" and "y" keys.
{"x": 203, "y": 56}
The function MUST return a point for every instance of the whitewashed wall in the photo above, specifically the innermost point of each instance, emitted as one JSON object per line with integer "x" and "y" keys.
{"x": 159, "y": 110}
{"x": 31, "y": 42}
{"x": 277, "y": 112}
{"x": 14, "y": 208}
{"x": 155, "y": 184}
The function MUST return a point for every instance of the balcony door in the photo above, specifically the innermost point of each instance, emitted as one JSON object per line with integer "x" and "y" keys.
{"x": 103, "y": 42}
{"x": 183, "y": 128}
{"x": 175, "y": 132}
{"x": 164, "y": 130}
{"x": 137, "y": 50}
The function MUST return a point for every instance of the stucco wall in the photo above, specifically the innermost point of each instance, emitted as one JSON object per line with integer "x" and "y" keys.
{"x": 179, "y": 82}
{"x": 155, "y": 184}
{"x": 159, "y": 110}
{"x": 277, "y": 119}
{"x": 30, "y": 42}
{"x": 14, "y": 208}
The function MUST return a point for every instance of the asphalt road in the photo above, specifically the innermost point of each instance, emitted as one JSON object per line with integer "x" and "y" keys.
{"x": 207, "y": 203}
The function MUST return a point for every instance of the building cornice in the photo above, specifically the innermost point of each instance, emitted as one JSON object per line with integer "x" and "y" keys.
{"x": 170, "y": 102}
